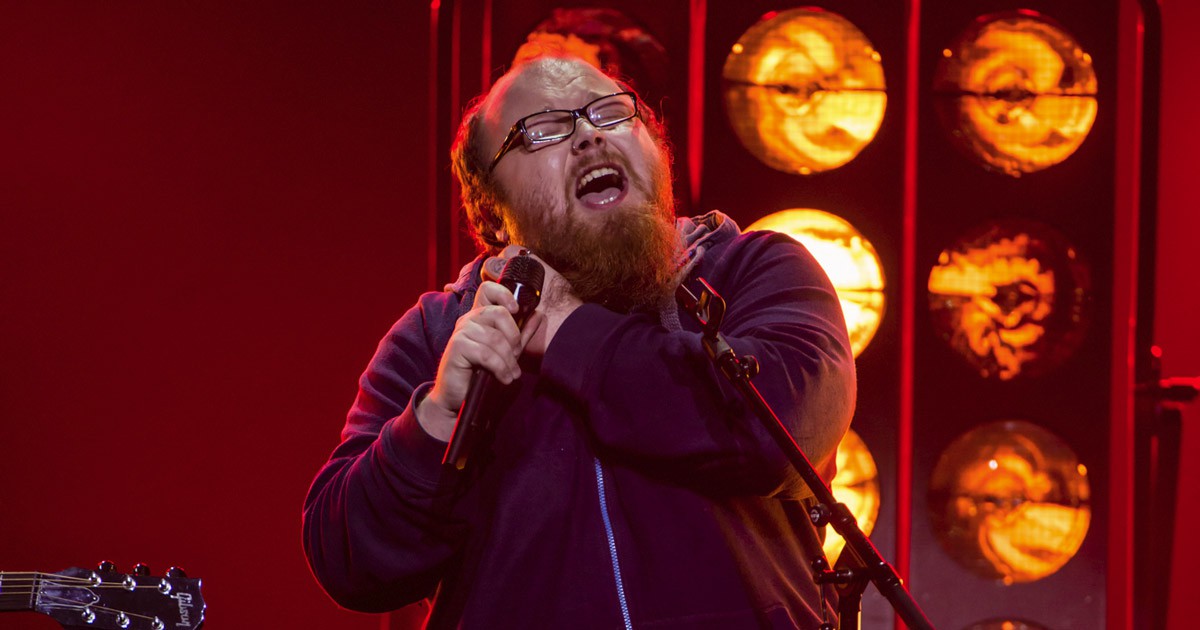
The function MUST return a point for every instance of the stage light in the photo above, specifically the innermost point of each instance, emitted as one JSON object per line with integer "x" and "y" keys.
{"x": 848, "y": 259}
{"x": 804, "y": 90}
{"x": 609, "y": 40}
{"x": 1011, "y": 298}
{"x": 1010, "y": 501}
{"x": 1005, "y": 624}
{"x": 1016, "y": 92}
{"x": 857, "y": 485}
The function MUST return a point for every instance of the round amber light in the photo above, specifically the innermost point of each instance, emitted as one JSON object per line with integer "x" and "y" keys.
{"x": 848, "y": 259}
{"x": 856, "y": 484}
{"x": 1005, "y": 624}
{"x": 1010, "y": 297}
{"x": 1016, "y": 92}
{"x": 804, "y": 90}
{"x": 1010, "y": 500}
{"x": 607, "y": 39}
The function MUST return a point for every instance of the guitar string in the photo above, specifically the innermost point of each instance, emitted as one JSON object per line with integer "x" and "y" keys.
{"x": 66, "y": 582}
{"x": 29, "y": 590}
{"x": 31, "y": 586}
{"x": 52, "y": 601}
{"x": 26, "y": 583}
{"x": 57, "y": 602}
{"x": 6, "y": 576}
{"x": 72, "y": 605}
{"x": 51, "y": 577}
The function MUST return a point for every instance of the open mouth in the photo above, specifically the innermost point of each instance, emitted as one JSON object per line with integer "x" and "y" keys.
{"x": 601, "y": 186}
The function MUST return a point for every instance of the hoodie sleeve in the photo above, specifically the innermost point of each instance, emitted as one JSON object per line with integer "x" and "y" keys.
{"x": 653, "y": 398}
{"x": 372, "y": 535}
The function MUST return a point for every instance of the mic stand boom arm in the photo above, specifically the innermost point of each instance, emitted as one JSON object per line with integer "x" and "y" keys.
{"x": 709, "y": 310}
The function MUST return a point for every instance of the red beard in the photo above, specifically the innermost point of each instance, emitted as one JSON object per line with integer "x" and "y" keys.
{"x": 626, "y": 260}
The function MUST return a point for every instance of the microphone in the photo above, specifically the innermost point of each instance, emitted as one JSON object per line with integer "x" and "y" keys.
{"x": 523, "y": 275}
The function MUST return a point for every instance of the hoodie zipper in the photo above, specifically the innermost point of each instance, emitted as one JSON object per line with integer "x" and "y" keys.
{"x": 612, "y": 545}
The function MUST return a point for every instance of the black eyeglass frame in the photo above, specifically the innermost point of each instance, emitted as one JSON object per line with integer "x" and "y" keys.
{"x": 518, "y": 128}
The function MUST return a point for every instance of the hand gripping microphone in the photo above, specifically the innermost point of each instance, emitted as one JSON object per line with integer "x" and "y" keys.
{"x": 523, "y": 275}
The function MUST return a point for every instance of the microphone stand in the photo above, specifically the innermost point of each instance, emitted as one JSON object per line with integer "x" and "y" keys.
{"x": 851, "y": 575}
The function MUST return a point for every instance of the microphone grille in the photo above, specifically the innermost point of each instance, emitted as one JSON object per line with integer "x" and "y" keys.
{"x": 527, "y": 273}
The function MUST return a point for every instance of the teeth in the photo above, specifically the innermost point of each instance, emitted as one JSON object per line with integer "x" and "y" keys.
{"x": 593, "y": 174}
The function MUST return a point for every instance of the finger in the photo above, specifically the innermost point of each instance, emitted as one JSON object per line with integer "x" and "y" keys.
{"x": 498, "y": 331}
{"x": 502, "y": 364}
{"x": 512, "y": 251}
{"x": 490, "y": 293}
{"x": 495, "y": 317}
{"x": 492, "y": 268}
{"x": 480, "y": 346}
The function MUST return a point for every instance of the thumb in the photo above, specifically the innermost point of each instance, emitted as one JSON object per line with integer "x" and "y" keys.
{"x": 493, "y": 266}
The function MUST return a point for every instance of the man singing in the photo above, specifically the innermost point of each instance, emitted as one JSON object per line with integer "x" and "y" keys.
{"x": 625, "y": 484}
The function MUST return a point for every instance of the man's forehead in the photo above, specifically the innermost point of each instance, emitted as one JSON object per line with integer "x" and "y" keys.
{"x": 549, "y": 83}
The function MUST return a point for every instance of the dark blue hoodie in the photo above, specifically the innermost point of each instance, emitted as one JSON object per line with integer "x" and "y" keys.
{"x": 626, "y": 485}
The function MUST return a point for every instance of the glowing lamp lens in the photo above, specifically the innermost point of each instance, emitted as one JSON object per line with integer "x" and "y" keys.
{"x": 804, "y": 90}
{"x": 1016, "y": 92}
{"x": 1011, "y": 298}
{"x": 848, "y": 259}
{"x": 1010, "y": 501}
{"x": 857, "y": 485}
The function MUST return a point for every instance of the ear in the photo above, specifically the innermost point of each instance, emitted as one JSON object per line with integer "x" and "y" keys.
{"x": 502, "y": 235}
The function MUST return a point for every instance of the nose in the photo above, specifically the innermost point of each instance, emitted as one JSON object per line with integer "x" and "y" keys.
{"x": 586, "y": 136}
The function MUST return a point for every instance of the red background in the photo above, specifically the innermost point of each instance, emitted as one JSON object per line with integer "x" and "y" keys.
{"x": 210, "y": 213}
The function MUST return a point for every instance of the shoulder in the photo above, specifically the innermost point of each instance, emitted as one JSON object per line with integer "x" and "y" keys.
{"x": 762, "y": 264}
{"x": 433, "y": 316}
{"x": 744, "y": 252}
{"x": 716, "y": 232}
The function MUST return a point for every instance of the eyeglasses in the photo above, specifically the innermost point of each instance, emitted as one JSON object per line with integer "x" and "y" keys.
{"x": 555, "y": 125}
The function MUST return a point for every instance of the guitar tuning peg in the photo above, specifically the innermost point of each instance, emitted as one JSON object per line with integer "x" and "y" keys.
{"x": 176, "y": 572}
{"x": 141, "y": 570}
{"x": 106, "y": 567}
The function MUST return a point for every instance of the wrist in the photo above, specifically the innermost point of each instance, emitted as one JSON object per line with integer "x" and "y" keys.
{"x": 435, "y": 418}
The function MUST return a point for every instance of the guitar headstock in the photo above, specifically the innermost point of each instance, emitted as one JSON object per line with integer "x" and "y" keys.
{"x": 105, "y": 598}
